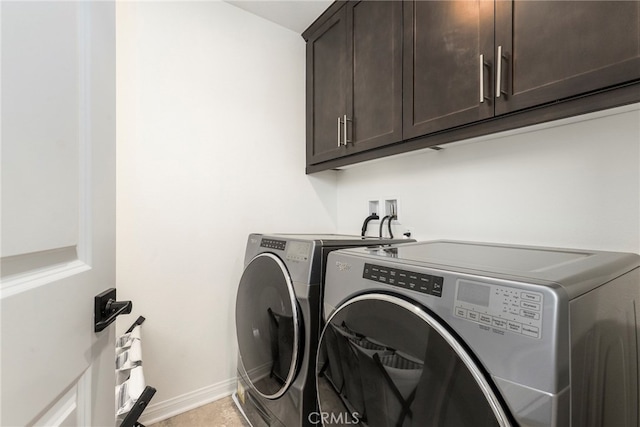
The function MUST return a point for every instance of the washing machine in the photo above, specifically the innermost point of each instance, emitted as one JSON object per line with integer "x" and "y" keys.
{"x": 448, "y": 333}
{"x": 278, "y": 321}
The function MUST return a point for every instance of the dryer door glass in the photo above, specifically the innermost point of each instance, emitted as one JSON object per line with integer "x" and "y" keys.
{"x": 268, "y": 325}
{"x": 384, "y": 362}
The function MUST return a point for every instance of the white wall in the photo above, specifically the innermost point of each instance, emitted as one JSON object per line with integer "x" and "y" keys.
{"x": 575, "y": 183}
{"x": 211, "y": 135}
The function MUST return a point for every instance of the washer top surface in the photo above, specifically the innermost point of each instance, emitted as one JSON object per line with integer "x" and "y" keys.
{"x": 576, "y": 270}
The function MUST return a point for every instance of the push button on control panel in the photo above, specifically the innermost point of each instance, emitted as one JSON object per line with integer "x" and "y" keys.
{"x": 530, "y": 305}
{"x": 486, "y": 319}
{"x": 514, "y": 327}
{"x": 528, "y": 296}
{"x": 499, "y": 323}
{"x": 530, "y": 314}
{"x": 531, "y": 331}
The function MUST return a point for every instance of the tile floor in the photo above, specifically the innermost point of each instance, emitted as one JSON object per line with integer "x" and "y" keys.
{"x": 221, "y": 413}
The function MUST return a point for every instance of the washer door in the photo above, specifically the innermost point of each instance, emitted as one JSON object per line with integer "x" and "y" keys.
{"x": 268, "y": 325}
{"x": 383, "y": 361}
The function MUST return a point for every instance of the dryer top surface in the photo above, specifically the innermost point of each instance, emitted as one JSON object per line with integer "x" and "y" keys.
{"x": 328, "y": 239}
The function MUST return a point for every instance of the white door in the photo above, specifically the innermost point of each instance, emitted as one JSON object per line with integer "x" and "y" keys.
{"x": 58, "y": 211}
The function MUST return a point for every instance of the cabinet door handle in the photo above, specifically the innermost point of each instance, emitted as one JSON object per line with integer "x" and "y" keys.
{"x": 346, "y": 139}
{"x": 499, "y": 72}
{"x": 339, "y": 132}
{"x": 481, "y": 78}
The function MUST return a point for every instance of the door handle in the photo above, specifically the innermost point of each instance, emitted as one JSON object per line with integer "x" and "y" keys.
{"x": 343, "y": 122}
{"x": 499, "y": 76}
{"x": 346, "y": 139}
{"x": 106, "y": 309}
{"x": 482, "y": 65}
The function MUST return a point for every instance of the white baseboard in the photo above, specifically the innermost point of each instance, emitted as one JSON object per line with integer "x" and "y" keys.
{"x": 169, "y": 408}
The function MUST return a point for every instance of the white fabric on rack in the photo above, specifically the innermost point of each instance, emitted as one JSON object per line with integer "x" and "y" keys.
{"x": 130, "y": 358}
{"x": 128, "y": 392}
{"x": 126, "y": 340}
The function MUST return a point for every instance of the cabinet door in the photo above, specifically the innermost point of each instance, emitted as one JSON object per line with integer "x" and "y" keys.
{"x": 375, "y": 104}
{"x": 448, "y": 64}
{"x": 328, "y": 69}
{"x": 557, "y": 49}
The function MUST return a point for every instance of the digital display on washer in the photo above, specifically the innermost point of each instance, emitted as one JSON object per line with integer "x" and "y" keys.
{"x": 273, "y": 244}
{"x": 425, "y": 283}
{"x": 474, "y": 293}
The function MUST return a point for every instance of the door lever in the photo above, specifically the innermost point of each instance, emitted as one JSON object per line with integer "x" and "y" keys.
{"x": 106, "y": 309}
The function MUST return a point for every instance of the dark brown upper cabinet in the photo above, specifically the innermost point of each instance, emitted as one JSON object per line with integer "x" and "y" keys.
{"x": 354, "y": 80}
{"x": 548, "y": 51}
{"x": 385, "y": 78}
{"x": 448, "y": 64}
{"x": 552, "y": 50}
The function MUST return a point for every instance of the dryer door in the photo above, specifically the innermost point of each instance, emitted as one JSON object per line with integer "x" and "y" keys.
{"x": 384, "y": 361}
{"x": 268, "y": 325}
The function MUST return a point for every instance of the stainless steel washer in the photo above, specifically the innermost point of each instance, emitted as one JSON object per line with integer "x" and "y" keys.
{"x": 469, "y": 334}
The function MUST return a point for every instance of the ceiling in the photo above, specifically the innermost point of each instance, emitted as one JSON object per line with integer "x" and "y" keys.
{"x": 295, "y": 15}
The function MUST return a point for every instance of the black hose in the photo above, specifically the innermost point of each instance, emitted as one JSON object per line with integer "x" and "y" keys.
{"x": 391, "y": 218}
{"x": 365, "y": 224}
{"x": 382, "y": 224}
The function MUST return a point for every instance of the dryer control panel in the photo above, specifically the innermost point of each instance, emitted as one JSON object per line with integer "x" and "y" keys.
{"x": 273, "y": 244}
{"x": 501, "y": 307}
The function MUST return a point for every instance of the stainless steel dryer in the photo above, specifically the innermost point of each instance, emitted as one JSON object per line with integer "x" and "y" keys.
{"x": 467, "y": 334}
{"x": 278, "y": 311}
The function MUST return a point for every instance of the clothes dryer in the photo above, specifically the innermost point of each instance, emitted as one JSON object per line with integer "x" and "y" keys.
{"x": 278, "y": 321}
{"x": 468, "y": 334}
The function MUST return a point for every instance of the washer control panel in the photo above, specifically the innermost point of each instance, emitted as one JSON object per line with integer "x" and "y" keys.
{"x": 424, "y": 283}
{"x": 500, "y": 307}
